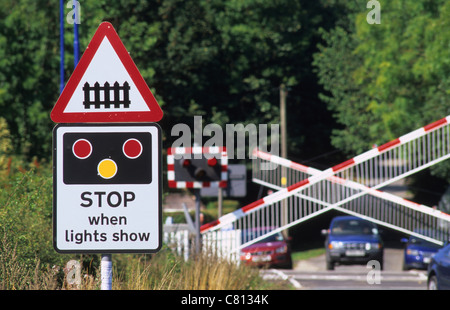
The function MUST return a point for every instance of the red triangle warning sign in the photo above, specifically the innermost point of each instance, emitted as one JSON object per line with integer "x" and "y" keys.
{"x": 106, "y": 86}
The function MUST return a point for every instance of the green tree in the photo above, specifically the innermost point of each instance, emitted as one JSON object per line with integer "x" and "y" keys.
{"x": 224, "y": 60}
{"x": 385, "y": 80}
{"x": 28, "y": 62}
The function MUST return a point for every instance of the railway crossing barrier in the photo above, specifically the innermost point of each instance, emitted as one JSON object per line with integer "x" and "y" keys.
{"x": 352, "y": 187}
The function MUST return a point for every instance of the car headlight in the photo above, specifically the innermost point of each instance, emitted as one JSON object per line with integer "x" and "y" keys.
{"x": 281, "y": 249}
{"x": 245, "y": 255}
{"x": 335, "y": 245}
{"x": 372, "y": 246}
{"x": 412, "y": 252}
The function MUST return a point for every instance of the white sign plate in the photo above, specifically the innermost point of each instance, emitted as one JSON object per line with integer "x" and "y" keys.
{"x": 107, "y": 188}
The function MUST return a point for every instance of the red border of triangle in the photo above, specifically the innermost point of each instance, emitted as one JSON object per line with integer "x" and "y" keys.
{"x": 59, "y": 116}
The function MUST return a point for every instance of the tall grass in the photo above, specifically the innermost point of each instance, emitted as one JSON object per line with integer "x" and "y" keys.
{"x": 160, "y": 271}
{"x": 165, "y": 271}
{"x": 15, "y": 275}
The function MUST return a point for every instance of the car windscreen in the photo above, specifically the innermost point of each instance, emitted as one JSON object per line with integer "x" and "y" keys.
{"x": 422, "y": 242}
{"x": 353, "y": 227}
{"x": 250, "y": 235}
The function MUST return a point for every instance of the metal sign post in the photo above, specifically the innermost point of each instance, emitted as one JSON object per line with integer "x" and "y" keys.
{"x": 106, "y": 272}
{"x": 198, "y": 240}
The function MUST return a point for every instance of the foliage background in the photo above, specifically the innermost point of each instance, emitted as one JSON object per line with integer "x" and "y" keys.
{"x": 351, "y": 84}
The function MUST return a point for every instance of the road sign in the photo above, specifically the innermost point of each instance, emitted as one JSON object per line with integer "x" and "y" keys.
{"x": 107, "y": 188}
{"x": 106, "y": 86}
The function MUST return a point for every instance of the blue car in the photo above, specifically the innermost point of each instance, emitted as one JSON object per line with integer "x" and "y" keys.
{"x": 418, "y": 253}
{"x": 439, "y": 270}
{"x": 352, "y": 240}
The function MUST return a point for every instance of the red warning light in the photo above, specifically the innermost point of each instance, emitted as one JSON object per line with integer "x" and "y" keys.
{"x": 185, "y": 163}
{"x": 132, "y": 148}
{"x": 82, "y": 148}
{"x": 212, "y": 162}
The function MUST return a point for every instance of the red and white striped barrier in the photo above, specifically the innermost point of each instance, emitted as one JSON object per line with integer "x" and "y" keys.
{"x": 326, "y": 174}
{"x": 349, "y": 183}
{"x": 214, "y": 151}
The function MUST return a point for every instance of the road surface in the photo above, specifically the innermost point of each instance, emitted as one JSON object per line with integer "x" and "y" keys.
{"x": 312, "y": 274}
